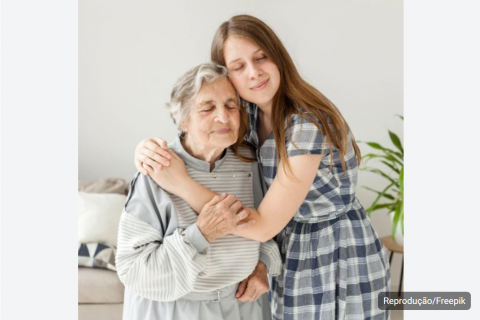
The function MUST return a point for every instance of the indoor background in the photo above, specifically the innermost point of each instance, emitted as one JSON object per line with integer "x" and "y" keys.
{"x": 131, "y": 53}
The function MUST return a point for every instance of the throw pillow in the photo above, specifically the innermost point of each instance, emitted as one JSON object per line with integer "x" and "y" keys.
{"x": 96, "y": 255}
{"x": 99, "y": 217}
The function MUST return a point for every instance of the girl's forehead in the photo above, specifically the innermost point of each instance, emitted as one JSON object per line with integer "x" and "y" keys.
{"x": 235, "y": 45}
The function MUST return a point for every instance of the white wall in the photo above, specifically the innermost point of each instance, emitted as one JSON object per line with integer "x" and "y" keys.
{"x": 131, "y": 52}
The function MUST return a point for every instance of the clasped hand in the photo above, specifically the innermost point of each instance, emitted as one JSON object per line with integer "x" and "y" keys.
{"x": 223, "y": 215}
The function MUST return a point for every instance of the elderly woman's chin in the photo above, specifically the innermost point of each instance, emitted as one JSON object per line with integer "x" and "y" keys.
{"x": 223, "y": 138}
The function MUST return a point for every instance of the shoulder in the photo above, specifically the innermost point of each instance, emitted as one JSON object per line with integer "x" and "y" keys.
{"x": 148, "y": 202}
{"x": 304, "y": 134}
{"x": 175, "y": 145}
{"x": 303, "y": 119}
{"x": 304, "y": 126}
{"x": 144, "y": 192}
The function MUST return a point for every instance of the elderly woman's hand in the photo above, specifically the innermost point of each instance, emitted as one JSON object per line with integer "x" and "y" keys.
{"x": 151, "y": 154}
{"x": 255, "y": 285}
{"x": 221, "y": 216}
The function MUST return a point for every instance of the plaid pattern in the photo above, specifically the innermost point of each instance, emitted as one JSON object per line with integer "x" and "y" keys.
{"x": 334, "y": 264}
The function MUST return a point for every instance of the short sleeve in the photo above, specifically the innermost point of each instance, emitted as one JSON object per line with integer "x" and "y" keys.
{"x": 304, "y": 137}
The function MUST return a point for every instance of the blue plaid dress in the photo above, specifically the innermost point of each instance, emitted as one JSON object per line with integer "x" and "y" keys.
{"x": 334, "y": 264}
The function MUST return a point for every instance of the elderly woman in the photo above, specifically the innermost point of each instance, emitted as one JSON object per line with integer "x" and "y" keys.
{"x": 174, "y": 263}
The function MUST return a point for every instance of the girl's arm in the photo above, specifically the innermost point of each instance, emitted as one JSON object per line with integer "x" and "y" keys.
{"x": 280, "y": 204}
{"x": 283, "y": 198}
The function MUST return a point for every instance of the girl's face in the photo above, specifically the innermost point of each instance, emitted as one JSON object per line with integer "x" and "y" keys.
{"x": 255, "y": 76}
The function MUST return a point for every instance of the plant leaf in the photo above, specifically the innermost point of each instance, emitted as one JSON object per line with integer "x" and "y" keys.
{"x": 390, "y": 166}
{"x": 399, "y": 155}
{"x": 384, "y": 205}
{"x": 377, "y": 146}
{"x": 396, "y": 141}
{"x": 380, "y": 172}
{"x": 403, "y": 232}
{"x": 387, "y": 156}
{"x": 385, "y": 195}
{"x": 373, "y": 206}
{"x": 400, "y": 180}
{"x": 396, "y": 219}
{"x": 386, "y": 150}
{"x": 400, "y": 116}
{"x": 392, "y": 158}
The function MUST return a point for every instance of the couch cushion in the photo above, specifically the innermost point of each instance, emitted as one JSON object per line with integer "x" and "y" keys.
{"x": 99, "y": 311}
{"x": 110, "y": 185}
{"x": 99, "y": 217}
{"x": 99, "y": 286}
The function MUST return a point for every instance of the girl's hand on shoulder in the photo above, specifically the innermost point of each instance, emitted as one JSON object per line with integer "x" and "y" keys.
{"x": 151, "y": 154}
{"x": 172, "y": 177}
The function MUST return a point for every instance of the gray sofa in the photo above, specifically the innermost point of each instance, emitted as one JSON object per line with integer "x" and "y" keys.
{"x": 100, "y": 292}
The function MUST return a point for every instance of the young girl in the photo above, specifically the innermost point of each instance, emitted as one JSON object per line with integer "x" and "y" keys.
{"x": 334, "y": 264}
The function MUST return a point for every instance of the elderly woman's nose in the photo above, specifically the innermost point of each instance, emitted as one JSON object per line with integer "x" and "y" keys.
{"x": 222, "y": 115}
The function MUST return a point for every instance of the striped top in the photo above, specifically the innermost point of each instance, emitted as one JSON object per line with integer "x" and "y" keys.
{"x": 161, "y": 253}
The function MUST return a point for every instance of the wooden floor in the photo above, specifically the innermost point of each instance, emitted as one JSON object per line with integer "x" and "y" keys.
{"x": 396, "y": 315}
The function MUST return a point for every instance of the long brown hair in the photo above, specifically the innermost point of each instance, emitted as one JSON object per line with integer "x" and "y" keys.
{"x": 294, "y": 93}
{"x": 242, "y": 131}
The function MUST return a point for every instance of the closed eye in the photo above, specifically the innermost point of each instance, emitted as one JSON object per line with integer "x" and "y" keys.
{"x": 239, "y": 68}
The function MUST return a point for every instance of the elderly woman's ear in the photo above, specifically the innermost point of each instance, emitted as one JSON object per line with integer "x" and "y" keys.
{"x": 184, "y": 128}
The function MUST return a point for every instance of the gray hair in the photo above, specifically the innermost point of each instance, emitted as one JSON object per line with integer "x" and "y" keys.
{"x": 188, "y": 86}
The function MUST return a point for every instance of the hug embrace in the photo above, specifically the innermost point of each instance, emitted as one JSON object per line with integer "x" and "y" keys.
{"x": 250, "y": 213}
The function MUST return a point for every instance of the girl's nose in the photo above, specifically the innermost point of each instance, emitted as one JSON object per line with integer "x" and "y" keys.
{"x": 254, "y": 71}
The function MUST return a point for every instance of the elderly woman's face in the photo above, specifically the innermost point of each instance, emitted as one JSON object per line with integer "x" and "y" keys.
{"x": 214, "y": 118}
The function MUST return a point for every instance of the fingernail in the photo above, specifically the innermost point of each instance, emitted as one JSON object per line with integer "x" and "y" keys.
{"x": 169, "y": 157}
{"x": 224, "y": 194}
{"x": 159, "y": 166}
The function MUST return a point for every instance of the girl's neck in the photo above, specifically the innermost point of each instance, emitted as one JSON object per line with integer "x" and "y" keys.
{"x": 265, "y": 111}
{"x": 264, "y": 127}
{"x": 264, "y": 118}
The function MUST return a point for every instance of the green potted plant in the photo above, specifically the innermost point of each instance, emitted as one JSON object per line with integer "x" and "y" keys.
{"x": 391, "y": 197}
